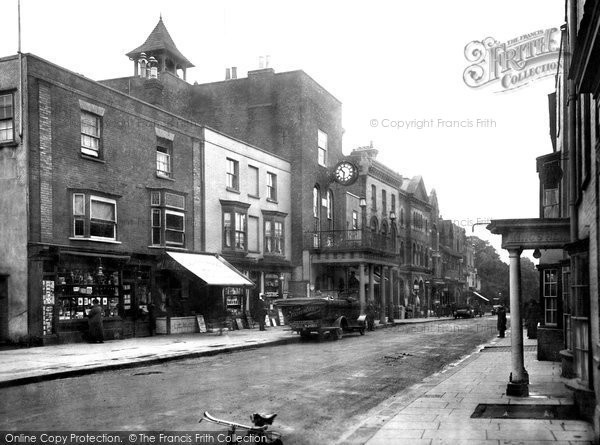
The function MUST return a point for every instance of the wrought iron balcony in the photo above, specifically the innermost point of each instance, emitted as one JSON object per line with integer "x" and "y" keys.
{"x": 349, "y": 240}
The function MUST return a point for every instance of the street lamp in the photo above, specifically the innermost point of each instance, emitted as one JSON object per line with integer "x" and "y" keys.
{"x": 363, "y": 206}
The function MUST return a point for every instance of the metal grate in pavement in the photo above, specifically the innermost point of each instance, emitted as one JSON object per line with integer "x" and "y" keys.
{"x": 432, "y": 396}
{"x": 526, "y": 348}
{"x": 503, "y": 411}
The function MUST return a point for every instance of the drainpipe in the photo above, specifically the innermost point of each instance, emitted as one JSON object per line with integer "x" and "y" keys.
{"x": 572, "y": 112}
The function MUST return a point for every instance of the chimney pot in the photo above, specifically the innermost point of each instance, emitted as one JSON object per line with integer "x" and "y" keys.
{"x": 234, "y": 72}
{"x": 227, "y": 74}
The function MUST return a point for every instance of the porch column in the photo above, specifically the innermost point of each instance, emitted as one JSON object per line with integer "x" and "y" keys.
{"x": 382, "y": 309}
{"x": 361, "y": 288}
{"x": 519, "y": 379}
{"x": 371, "y": 283}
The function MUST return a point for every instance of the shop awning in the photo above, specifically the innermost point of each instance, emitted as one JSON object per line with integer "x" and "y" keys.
{"x": 211, "y": 268}
{"x": 480, "y": 296}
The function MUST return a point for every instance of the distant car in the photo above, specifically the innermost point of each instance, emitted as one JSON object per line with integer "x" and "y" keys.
{"x": 464, "y": 312}
{"x": 478, "y": 311}
{"x": 495, "y": 308}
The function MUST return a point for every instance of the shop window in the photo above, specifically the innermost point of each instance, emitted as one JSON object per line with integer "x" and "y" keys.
{"x": 384, "y": 202}
{"x": 7, "y": 119}
{"x": 94, "y": 217}
{"x": 164, "y": 150}
{"x": 167, "y": 219}
{"x": 354, "y": 220}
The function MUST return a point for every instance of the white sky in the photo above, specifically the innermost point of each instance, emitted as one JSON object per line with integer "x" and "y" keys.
{"x": 399, "y": 60}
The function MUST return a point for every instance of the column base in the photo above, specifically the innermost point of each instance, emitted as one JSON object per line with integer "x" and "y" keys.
{"x": 517, "y": 389}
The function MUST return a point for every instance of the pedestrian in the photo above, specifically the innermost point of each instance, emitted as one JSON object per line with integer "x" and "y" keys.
{"x": 96, "y": 330}
{"x": 501, "y": 321}
{"x": 262, "y": 312}
{"x": 532, "y": 318}
{"x": 151, "y": 318}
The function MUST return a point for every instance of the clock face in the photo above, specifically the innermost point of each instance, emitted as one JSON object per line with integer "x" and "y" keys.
{"x": 345, "y": 173}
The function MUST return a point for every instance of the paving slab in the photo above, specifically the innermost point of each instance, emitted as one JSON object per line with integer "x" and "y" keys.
{"x": 442, "y": 409}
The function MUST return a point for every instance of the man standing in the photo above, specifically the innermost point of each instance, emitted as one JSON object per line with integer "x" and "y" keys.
{"x": 96, "y": 330}
{"x": 501, "y": 321}
{"x": 261, "y": 312}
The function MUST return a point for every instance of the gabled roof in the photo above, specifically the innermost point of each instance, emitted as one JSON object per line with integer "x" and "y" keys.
{"x": 160, "y": 39}
{"x": 416, "y": 187}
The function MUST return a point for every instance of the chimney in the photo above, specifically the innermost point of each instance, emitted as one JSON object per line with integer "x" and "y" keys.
{"x": 261, "y": 62}
{"x": 227, "y": 73}
{"x": 267, "y": 61}
{"x": 234, "y": 72}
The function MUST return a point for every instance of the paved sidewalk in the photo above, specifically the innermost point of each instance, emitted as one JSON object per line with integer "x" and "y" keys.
{"x": 438, "y": 410}
{"x": 26, "y": 365}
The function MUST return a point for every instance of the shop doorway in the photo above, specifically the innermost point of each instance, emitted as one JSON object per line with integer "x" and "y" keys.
{"x": 3, "y": 308}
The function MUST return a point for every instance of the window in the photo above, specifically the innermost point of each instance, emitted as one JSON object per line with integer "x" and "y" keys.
{"x": 253, "y": 189}
{"x": 94, "y": 217}
{"x": 316, "y": 215}
{"x": 234, "y": 230}
{"x": 103, "y": 218}
{"x": 78, "y": 214}
{"x": 354, "y": 220}
{"x": 274, "y": 237}
{"x": 174, "y": 228}
{"x": 164, "y": 148}
{"x": 550, "y": 296}
{"x": 384, "y": 201}
{"x": 233, "y": 174}
{"x": 168, "y": 219}
{"x": 402, "y": 217}
{"x": 329, "y": 209}
{"x": 90, "y": 134}
{"x": 394, "y": 203}
{"x": 373, "y": 197}
{"x": 7, "y": 122}
{"x": 550, "y": 205}
{"x": 322, "y": 147}
{"x": 272, "y": 186}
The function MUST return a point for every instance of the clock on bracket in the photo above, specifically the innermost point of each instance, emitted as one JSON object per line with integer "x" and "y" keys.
{"x": 345, "y": 173}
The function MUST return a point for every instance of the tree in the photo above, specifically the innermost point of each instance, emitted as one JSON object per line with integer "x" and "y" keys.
{"x": 494, "y": 274}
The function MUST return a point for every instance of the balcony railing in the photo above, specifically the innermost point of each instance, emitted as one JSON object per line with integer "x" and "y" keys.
{"x": 348, "y": 240}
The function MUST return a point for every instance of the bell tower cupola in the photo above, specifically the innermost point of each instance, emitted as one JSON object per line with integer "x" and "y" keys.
{"x": 158, "y": 54}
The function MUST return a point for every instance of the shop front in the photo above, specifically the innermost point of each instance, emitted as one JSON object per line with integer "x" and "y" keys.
{"x": 70, "y": 281}
{"x": 199, "y": 290}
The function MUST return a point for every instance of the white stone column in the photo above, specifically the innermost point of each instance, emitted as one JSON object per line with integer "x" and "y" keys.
{"x": 382, "y": 309}
{"x": 371, "y": 298}
{"x": 519, "y": 379}
{"x": 361, "y": 288}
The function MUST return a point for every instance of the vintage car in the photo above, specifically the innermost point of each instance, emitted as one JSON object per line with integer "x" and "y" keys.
{"x": 465, "y": 311}
{"x": 323, "y": 316}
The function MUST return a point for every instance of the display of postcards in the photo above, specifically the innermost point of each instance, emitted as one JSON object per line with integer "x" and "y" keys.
{"x": 89, "y": 291}
{"x": 82, "y": 290}
{"x": 87, "y": 312}
{"x": 104, "y": 301}
{"x": 80, "y": 301}
{"x": 127, "y": 306}
{"x": 76, "y": 289}
{"x": 79, "y": 314}
{"x": 87, "y": 301}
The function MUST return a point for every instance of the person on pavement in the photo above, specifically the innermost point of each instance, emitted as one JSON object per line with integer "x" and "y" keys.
{"x": 533, "y": 315}
{"x": 262, "y": 312}
{"x": 96, "y": 330}
{"x": 501, "y": 325}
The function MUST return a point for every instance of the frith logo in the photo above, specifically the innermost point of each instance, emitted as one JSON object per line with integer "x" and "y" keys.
{"x": 512, "y": 64}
